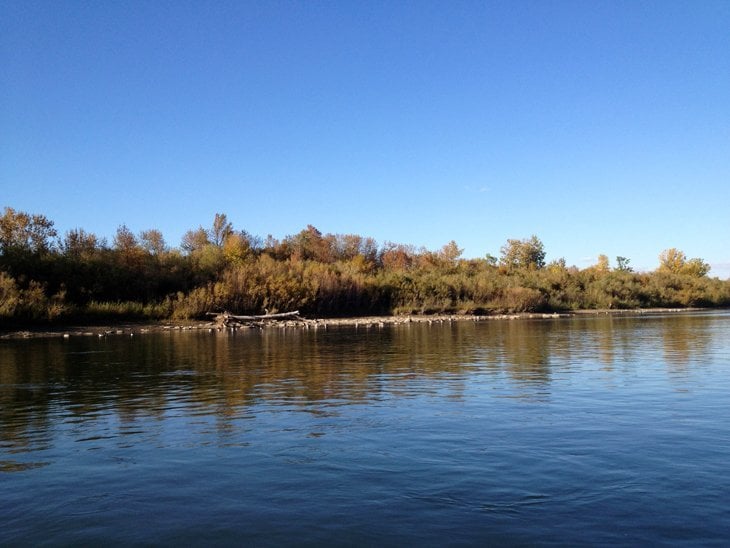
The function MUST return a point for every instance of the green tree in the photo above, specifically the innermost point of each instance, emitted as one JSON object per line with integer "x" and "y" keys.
{"x": 523, "y": 254}
{"x": 491, "y": 260}
{"x": 622, "y": 264}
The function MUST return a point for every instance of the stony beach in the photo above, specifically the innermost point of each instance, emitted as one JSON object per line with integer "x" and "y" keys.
{"x": 130, "y": 329}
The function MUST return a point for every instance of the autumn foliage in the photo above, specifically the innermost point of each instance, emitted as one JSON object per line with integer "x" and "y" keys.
{"x": 79, "y": 276}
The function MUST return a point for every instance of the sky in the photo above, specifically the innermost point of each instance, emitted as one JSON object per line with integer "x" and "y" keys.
{"x": 601, "y": 127}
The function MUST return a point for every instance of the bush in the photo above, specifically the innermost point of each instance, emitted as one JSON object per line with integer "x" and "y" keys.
{"x": 9, "y": 296}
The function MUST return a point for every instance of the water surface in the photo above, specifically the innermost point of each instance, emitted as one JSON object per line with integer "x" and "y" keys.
{"x": 600, "y": 430}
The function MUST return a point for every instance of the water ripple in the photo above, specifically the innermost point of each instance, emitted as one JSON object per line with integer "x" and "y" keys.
{"x": 587, "y": 431}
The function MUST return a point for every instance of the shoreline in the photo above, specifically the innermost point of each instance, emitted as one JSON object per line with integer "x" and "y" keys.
{"x": 141, "y": 328}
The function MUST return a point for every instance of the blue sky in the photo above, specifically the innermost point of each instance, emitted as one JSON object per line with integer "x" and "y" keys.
{"x": 601, "y": 127}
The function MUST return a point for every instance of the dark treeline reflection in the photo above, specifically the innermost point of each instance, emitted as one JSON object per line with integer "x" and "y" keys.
{"x": 230, "y": 376}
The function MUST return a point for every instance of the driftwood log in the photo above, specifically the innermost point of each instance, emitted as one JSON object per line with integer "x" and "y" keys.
{"x": 226, "y": 319}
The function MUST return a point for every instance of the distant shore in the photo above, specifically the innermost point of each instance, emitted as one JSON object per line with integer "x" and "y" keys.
{"x": 366, "y": 322}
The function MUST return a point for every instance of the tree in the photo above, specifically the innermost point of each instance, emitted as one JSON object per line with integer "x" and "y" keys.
{"x": 345, "y": 247}
{"x": 78, "y": 243}
{"x": 397, "y": 256}
{"x": 125, "y": 240}
{"x": 557, "y": 265}
{"x": 528, "y": 253}
{"x": 194, "y": 240}
{"x": 602, "y": 265}
{"x": 450, "y": 253}
{"x": 20, "y": 231}
{"x": 237, "y": 248}
{"x": 221, "y": 229}
{"x": 309, "y": 244}
{"x": 152, "y": 241}
{"x": 672, "y": 260}
{"x": 622, "y": 264}
{"x": 9, "y": 295}
{"x": 675, "y": 261}
{"x": 696, "y": 267}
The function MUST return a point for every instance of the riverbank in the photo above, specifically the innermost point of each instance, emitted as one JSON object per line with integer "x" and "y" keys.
{"x": 135, "y": 329}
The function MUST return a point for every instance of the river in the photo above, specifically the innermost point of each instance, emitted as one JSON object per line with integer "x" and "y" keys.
{"x": 590, "y": 430}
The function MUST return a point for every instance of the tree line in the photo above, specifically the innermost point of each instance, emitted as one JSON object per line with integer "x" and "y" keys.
{"x": 45, "y": 276}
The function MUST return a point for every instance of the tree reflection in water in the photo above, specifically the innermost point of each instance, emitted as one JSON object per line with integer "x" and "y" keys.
{"x": 225, "y": 376}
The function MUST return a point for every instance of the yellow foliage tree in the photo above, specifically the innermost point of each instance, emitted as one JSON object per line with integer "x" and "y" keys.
{"x": 672, "y": 260}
